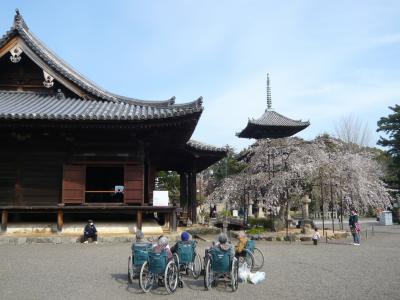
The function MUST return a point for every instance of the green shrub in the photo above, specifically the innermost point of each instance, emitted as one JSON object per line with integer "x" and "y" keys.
{"x": 257, "y": 230}
{"x": 269, "y": 224}
{"x": 226, "y": 213}
{"x": 259, "y": 222}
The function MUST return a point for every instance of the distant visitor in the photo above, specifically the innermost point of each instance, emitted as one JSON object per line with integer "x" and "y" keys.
{"x": 90, "y": 232}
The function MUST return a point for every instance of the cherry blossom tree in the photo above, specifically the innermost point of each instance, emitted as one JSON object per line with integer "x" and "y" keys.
{"x": 280, "y": 172}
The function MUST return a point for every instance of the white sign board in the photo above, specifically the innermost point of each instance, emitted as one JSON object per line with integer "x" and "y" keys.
{"x": 160, "y": 198}
{"x": 119, "y": 189}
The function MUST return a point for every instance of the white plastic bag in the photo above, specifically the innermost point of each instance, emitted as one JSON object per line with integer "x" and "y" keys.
{"x": 256, "y": 277}
{"x": 244, "y": 272}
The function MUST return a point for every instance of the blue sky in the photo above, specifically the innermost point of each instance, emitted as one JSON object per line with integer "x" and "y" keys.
{"x": 327, "y": 60}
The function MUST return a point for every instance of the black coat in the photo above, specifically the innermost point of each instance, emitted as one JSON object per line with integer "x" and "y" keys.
{"x": 90, "y": 230}
{"x": 353, "y": 220}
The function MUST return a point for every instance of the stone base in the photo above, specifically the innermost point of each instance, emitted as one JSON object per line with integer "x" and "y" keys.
{"x": 307, "y": 225}
{"x": 306, "y": 229}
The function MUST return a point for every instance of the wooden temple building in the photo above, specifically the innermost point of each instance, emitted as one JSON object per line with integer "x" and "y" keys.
{"x": 69, "y": 146}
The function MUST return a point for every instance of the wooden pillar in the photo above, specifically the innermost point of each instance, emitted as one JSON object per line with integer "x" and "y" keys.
{"x": 192, "y": 197}
{"x": 173, "y": 223}
{"x": 4, "y": 220}
{"x": 167, "y": 220}
{"x": 139, "y": 219}
{"x": 60, "y": 220}
{"x": 183, "y": 180}
{"x": 189, "y": 196}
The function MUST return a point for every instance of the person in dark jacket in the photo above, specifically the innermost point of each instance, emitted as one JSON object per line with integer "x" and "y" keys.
{"x": 90, "y": 231}
{"x": 354, "y": 227}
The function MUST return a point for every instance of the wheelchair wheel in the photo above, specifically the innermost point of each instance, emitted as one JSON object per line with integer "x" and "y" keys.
{"x": 171, "y": 277}
{"x": 208, "y": 275}
{"x": 258, "y": 259}
{"x": 246, "y": 257}
{"x": 146, "y": 279}
{"x": 196, "y": 266}
{"x": 176, "y": 259}
{"x": 234, "y": 275}
{"x": 130, "y": 270}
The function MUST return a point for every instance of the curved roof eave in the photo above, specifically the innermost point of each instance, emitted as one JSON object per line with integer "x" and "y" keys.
{"x": 55, "y": 63}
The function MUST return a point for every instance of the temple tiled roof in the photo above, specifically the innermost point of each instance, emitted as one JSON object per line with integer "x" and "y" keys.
{"x": 59, "y": 66}
{"x": 31, "y": 105}
{"x": 272, "y": 125}
{"x": 272, "y": 118}
{"x": 199, "y": 146}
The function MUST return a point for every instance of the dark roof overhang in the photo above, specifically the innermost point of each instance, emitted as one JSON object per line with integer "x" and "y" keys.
{"x": 194, "y": 156}
{"x": 272, "y": 125}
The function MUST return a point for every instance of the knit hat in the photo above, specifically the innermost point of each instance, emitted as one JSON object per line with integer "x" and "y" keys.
{"x": 139, "y": 235}
{"x": 163, "y": 241}
{"x": 185, "y": 236}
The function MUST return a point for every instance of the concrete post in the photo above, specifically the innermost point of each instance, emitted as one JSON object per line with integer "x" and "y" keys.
{"x": 139, "y": 219}
{"x": 260, "y": 211}
{"x": 60, "y": 220}
{"x": 4, "y": 220}
{"x": 250, "y": 213}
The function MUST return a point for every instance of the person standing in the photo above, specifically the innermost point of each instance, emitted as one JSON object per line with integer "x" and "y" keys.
{"x": 214, "y": 212}
{"x": 90, "y": 231}
{"x": 355, "y": 227}
{"x": 316, "y": 236}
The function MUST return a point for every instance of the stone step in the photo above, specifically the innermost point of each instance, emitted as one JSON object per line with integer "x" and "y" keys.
{"x": 61, "y": 239}
{"x": 76, "y": 228}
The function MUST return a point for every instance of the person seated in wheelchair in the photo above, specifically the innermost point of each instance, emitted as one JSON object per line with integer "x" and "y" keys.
{"x": 140, "y": 241}
{"x": 162, "y": 245}
{"x": 140, "y": 249}
{"x": 223, "y": 244}
{"x": 185, "y": 239}
{"x": 221, "y": 264}
{"x": 241, "y": 245}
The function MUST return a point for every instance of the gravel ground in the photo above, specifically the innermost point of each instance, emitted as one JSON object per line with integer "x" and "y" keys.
{"x": 294, "y": 271}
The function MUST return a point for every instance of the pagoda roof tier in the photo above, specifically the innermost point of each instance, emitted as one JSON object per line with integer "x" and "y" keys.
{"x": 32, "y": 106}
{"x": 21, "y": 37}
{"x": 272, "y": 125}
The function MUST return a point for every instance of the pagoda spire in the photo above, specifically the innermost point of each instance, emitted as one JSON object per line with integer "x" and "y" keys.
{"x": 269, "y": 100}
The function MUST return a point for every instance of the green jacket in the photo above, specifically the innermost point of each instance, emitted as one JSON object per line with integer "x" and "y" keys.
{"x": 352, "y": 221}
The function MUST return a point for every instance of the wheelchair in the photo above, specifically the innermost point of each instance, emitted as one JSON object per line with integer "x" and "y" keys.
{"x": 140, "y": 254}
{"x": 187, "y": 260}
{"x": 220, "y": 266}
{"x": 158, "y": 268}
{"x": 246, "y": 256}
{"x": 256, "y": 254}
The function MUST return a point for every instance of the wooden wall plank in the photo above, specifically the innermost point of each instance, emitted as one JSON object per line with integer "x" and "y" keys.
{"x": 74, "y": 178}
{"x": 134, "y": 184}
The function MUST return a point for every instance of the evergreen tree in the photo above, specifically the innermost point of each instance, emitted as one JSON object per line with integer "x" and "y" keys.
{"x": 391, "y": 126}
